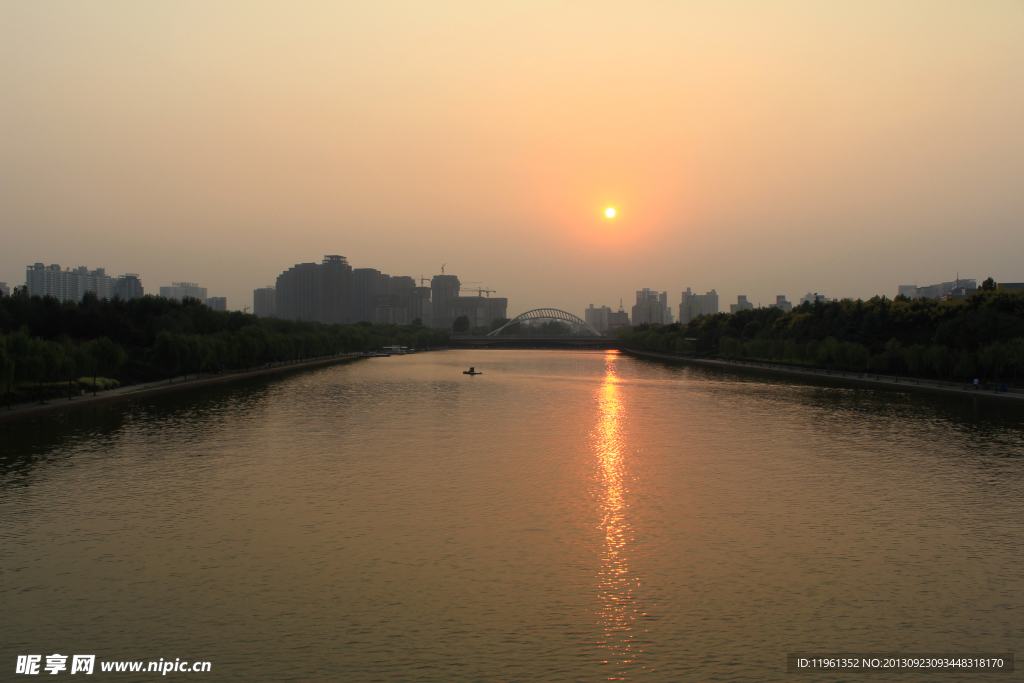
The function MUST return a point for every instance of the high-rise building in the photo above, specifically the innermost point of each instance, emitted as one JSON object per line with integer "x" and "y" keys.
{"x": 183, "y": 290}
{"x": 4, "y": 289}
{"x": 650, "y": 307}
{"x": 813, "y": 298}
{"x": 420, "y": 307}
{"x": 394, "y": 306}
{"x": 43, "y": 280}
{"x": 481, "y": 311}
{"x": 264, "y": 302}
{"x": 597, "y": 318}
{"x": 693, "y": 305}
{"x": 367, "y": 283}
{"x": 401, "y": 285}
{"x": 618, "y": 320}
{"x": 444, "y": 290}
{"x": 68, "y": 285}
{"x": 128, "y": 286}
{"x": 741, "y": 304}
{"x": 391, "y": 308}
{"x": 218, "y": 303}
{"x": 782, "y": 304}
{"x": 298, "y": 292}
{"x": 335, "y": 290}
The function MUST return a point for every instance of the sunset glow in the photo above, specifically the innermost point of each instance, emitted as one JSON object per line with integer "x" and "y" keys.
{"x": 295, "y": 134}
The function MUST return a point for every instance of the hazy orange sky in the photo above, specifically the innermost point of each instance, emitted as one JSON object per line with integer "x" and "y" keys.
{"x": 756, "y": 148}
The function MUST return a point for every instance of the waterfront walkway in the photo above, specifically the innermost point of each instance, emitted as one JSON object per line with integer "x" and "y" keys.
{"x": 888, "y": 381}
{"x": 139, "y": 390}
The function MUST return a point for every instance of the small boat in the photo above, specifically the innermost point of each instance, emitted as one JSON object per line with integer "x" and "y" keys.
{"x": 471, "y": 371}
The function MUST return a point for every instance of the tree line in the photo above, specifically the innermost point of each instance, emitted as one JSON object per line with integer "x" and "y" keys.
{"x": 48, "y": 347}
{"x": 957, "y": 339}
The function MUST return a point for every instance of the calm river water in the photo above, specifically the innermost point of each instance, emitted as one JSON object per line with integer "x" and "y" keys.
{"x": 564, "y": 516}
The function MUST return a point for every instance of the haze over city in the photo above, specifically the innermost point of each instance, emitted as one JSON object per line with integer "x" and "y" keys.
{"x": 754, "y": 149}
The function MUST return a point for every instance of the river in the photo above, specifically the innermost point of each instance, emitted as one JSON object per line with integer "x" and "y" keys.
{"x": 564, "y": 516}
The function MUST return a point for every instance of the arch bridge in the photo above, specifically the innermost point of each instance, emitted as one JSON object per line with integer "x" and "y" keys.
{"x": 549, "y": 314}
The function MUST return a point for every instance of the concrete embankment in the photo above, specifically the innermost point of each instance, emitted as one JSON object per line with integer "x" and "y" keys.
{"x": 179, "y": 384}
{"x": 862, "y": 379}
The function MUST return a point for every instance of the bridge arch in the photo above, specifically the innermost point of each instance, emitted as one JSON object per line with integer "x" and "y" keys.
{"x": 551, "y": 314}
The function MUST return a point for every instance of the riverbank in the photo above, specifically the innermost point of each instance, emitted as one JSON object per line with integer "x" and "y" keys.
{"x": 887, "y": 381}
{"x": 179, "y": 383}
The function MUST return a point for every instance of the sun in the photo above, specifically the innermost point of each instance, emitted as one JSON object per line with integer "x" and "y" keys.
{"x": 610, "y": 212}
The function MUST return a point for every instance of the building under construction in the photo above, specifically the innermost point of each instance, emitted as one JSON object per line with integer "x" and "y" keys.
{"x": 333, "y": 292}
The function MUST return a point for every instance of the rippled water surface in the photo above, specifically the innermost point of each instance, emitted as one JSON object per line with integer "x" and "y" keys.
{"x": 564, "y": 516}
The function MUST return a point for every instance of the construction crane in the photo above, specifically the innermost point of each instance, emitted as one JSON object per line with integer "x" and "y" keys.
{"x": 422, "y": 280}
{"x": 442, "y": 268}
{"x": 479, "y": 290}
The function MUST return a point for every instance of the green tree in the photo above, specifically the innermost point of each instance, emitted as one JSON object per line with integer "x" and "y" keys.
{"x": 461, "y": 325}
{"x": 940, "y": 358}
{"x": 167, "y": 353}
{"x": 1015, "y": 355}
{"x": 989, "y": 285}
{"x": 106, "y": 358}
{"x": 894, "y": 354}
{"x": 966, "y": 365}
{"x": 858, "y": 355}
{"x": 914, "y": 358}
{"x": 6, "y": 369}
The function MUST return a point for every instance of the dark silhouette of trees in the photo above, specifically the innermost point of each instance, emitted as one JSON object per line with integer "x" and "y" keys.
{"x": 946, "y": 340}
{"x": 42, "y": 339}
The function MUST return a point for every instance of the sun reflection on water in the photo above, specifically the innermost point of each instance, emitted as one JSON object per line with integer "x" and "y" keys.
{"x": 617, "y": 609}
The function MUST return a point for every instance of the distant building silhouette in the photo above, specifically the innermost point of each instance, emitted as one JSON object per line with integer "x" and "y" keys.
{"x": 813, "y": 298}
{"x": 4, "y": 289}
{"x": 264, "y": 302}
{"x": 182, "y": 290}
{"x": 298, "y": 292}
{"x": 218, "y": 303}
{"x": 618, "y": 320}
{"x": 128, "y": 286}
{"x": 318, "y": 292}
{"x": 444, "y": 290}
{"x": 741, "y": 304}
{"x": 597, "y": 318}
{"x": 693, "y": 305}
{"x": 943, "y": 290}
{"x": 605, "y": 320}
{"x": 782, "y": 304}
{"x": 420, "y": 307}
{"x": 335, "y": 290}
{"x": 68, "y": 285}
{"x": 393, "y": 305}
{"x": 482, "y": 311}
{"x": 651, "y": 307}
{"x": 368, "y": 283}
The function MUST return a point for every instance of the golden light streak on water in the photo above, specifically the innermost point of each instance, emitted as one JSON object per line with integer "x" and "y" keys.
{"x": 617, "y": 610}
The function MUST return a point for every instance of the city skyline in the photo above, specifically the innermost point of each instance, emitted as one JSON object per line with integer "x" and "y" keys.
{"x": 756, "y": 151}
{"x": 674, "y": 309}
